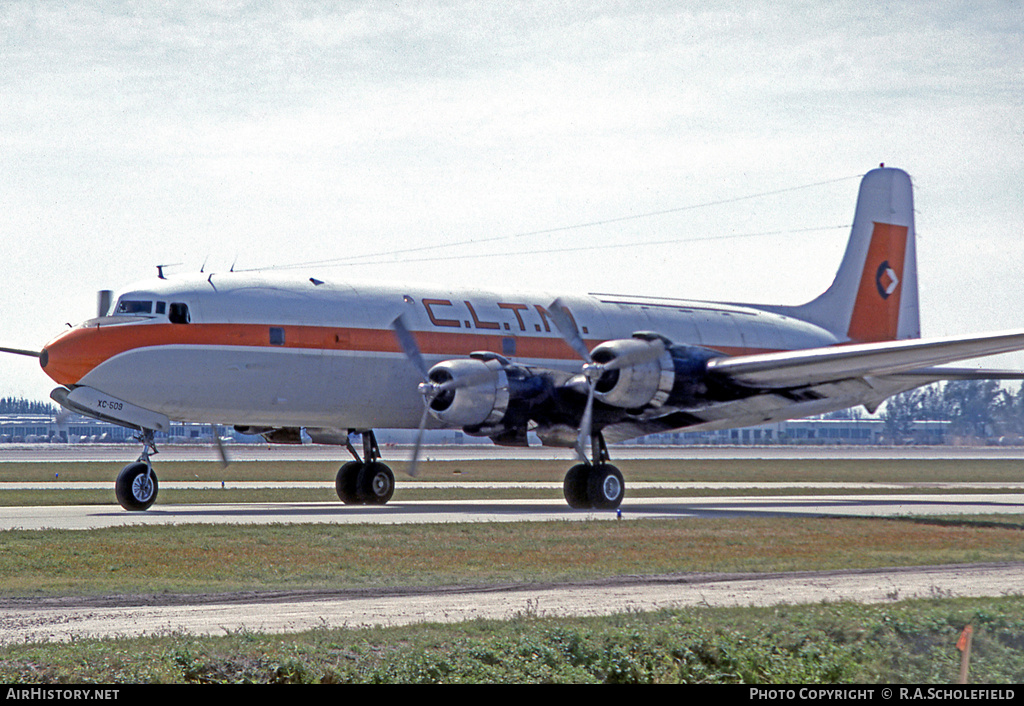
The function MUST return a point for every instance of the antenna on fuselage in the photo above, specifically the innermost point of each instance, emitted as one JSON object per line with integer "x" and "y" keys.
{"x": 160, "y": 270}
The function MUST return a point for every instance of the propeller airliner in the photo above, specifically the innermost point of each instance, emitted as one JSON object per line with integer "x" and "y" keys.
{"x": 274, "y": 355}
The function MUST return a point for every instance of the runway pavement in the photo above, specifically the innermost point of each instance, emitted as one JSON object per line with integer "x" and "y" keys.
{"x": 84, "y": 517}
{"x": 819, "y": 498}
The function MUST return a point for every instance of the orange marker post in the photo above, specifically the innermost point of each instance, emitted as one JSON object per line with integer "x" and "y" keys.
{"x": 964, "y": 645}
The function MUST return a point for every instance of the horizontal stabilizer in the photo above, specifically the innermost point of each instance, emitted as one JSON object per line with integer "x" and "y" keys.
{"x": 819, "y": 365}
{"x": 963, "y": 374}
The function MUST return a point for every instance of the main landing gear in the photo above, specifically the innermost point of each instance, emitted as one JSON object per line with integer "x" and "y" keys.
{"x": 136, "y": 485}
{"x": 598, "y": 485}
{"x": 365, "y": 481}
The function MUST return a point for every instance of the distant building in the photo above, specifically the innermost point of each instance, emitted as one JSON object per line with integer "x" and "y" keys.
{"x": 819, "y": 432}
{"x": 66, "y": 428}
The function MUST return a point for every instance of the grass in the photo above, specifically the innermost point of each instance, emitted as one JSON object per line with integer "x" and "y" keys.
{"x": 906, "y": 643}
{"x": 212, "y": 558}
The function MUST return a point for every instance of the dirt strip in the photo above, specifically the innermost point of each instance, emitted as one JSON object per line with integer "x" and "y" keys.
{"x": 60, "y": 619}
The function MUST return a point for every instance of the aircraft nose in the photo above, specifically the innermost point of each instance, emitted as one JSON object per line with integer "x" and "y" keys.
{"x": 67, "y": 358}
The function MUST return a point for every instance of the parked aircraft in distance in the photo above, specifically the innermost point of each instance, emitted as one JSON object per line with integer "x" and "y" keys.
{"x": 273, "y": 356}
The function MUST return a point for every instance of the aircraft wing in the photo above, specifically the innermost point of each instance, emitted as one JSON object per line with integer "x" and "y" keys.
{"x": 936, "y": 374}
{"x": 815, "y": 366}
{"x": 796, "y": 384}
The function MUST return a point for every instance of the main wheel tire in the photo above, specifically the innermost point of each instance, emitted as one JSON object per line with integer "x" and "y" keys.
{"x": 136, "y": 487}
{"x": 574, "y": 487}
{"x": 375, "y": 484}
{"x": 605, "y": 487}
{"x": 345, "y": 482}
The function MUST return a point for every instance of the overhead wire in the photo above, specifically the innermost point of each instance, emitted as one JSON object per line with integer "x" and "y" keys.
{"x": 384, "y": 257}
{"x": 606, "y": 246}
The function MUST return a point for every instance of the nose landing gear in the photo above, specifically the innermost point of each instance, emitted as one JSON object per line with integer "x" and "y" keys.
{"x": 136, "y": 486}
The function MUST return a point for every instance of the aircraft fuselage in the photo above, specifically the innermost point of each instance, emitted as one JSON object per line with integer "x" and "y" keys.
{"x": 278, "y": 352}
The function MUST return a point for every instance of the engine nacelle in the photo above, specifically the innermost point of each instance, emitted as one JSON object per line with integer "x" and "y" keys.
{"x": 636, "y": 385}
{"x": 481, "y": 400}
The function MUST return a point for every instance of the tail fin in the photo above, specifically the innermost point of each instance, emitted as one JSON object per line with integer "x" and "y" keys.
{"x": 874, "y": 294}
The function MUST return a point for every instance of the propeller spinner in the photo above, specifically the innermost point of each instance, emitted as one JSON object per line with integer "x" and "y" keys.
{"x": 593, "y": 370}
{"x": 431, "y": 389}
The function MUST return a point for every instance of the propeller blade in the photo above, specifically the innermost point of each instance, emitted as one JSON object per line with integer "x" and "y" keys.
{"x": 428, "y": 388}
{"x": 431, "y": 391}
{"x": 567, "y": 327}
{"x": 21, "y": 351}
{"x": 221, "y": 451}
{"x": 586, "y": 424}
{"x": 419, "y": 440}
{"x": 408, "y": 343}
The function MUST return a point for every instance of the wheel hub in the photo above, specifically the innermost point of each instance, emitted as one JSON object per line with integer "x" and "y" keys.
{"x": 380, "y": 484}
{"x": 611, "y": 487}
{"x": 142, "y": 487}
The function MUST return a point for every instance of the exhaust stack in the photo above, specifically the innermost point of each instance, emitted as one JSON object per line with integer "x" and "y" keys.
{"x": 103, "y": 299}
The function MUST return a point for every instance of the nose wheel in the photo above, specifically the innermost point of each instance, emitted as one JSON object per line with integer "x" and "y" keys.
{"x": 136, "y": 485}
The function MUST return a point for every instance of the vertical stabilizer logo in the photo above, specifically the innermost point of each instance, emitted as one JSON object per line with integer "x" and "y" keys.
{"x": 886, "y": 279}
{"x": 876, "y": 304}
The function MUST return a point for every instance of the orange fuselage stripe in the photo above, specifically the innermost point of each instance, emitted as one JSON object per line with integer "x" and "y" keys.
{"x": 73, "y": 354}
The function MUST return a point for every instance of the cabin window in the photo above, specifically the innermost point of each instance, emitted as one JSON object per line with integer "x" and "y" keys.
{"x": 178, "y": 313}
{"x": 133, "y": 307}
{"x": 276, "y": 336}
{"x": 161, "y": 307}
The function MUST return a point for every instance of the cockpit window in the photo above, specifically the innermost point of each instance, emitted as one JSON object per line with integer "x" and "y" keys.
{"x": 178, "y": 313}
{"x": 133, "y": 307}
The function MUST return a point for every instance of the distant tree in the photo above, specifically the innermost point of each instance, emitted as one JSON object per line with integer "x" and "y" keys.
{"x": 1009, "y": 412}
{"x": 976, "y": 409}
{"x": 972, "y": 405}
{"x": 899, "y": 415}
{"x": 934, "y": 405}
{"x": 848, "y": 413}
{"x": 20, "y": 405}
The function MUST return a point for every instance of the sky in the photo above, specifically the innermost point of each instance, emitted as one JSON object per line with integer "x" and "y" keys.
{"x": 505, "y": 144}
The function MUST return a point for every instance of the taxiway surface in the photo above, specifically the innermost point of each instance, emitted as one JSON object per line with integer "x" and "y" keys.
{"x": 85, "y": 517}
